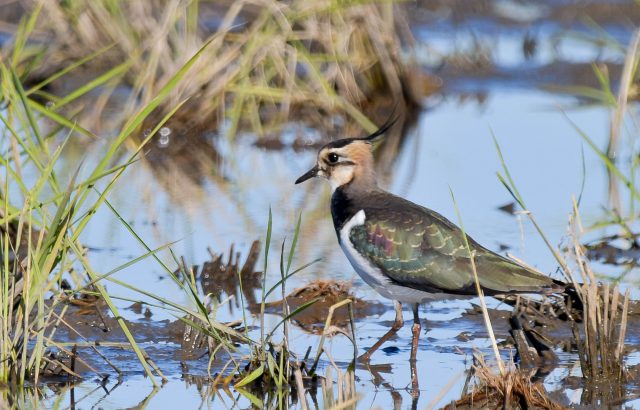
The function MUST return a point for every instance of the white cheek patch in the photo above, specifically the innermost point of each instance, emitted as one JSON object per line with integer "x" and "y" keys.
{"x": 340, "y": 175}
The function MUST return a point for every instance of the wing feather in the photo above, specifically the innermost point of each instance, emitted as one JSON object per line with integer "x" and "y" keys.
{"x": 421, "y": 249}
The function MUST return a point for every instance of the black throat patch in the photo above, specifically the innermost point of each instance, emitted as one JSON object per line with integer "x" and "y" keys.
{"x": 342, "y": 208}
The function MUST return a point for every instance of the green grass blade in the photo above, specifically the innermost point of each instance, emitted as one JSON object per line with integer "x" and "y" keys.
{"x": 25, "y": 29}
{"x": 512, "y": 186}
{"x": 513, "y": 190}
{"x": 294, "y": 242}
{"x": 611, "y": 166}
{"x": 251, "y": 376}
{"x": 68, "y": 69}
{"x": 284, "y": 279}
{"x": 300, "y": 308}
{"x": 54, "y": 116}
{"x": 93, "y": 84}
{"x": 267, "y": 245}
{"x": 30, "y": 117}
{"x": 583, "y": 176}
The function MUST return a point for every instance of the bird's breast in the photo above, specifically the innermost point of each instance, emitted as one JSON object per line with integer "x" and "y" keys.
{"x": 370, "y": 273}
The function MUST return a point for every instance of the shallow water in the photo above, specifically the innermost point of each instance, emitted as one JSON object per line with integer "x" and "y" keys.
{"x": 450, "y": 148}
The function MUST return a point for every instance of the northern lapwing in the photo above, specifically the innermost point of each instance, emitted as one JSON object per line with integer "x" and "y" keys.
{"x": 406, "y": 252}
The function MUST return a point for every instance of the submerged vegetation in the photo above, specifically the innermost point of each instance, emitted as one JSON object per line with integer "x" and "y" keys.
{"x": 227, "y": 68}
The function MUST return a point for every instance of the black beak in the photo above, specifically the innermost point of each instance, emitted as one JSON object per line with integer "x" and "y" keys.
{"x": 310, "y": 174}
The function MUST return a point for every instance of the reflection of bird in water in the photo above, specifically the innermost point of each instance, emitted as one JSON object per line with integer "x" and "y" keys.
{"x": 406, "y": 252}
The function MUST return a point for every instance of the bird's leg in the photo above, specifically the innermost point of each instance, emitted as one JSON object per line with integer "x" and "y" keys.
{"x": 415, "y": 329}
{"x": 397, "y": 325}
{"x": 378, "y": 380}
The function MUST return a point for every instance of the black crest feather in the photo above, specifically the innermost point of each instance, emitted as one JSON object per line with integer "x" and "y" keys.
{"x": 383, "y": 128}
{"x": 369, "y": 138}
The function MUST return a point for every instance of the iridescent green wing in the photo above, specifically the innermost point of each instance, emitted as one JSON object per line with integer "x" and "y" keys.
{"x": 420, "y": 248}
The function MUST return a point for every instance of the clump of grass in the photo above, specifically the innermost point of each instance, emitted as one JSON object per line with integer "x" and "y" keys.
{"x": 272, "y": 365}
{"x": 268, "y": 368}
{"x": 42, "y": 217}
{"x": 621, "y": 171}
{"x": 600, "y": 335}
{"x": 512, "y": 389}
{"x": 265, "y": 60}
{"x": 601, "y": 339}
{"x": 272, "y": 368}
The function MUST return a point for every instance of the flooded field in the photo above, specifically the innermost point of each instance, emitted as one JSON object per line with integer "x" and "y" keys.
{"x": 518, "y": 72}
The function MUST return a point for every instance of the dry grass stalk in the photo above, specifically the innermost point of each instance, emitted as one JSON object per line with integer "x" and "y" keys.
{"x": 626, "y": 81}
{"x": 297, "y": 374}
{"x": 625, "y": 87}
{"x": 345, "y": 396}
{"x": 511, "y": 390}
{"x": 330, "y": 329}
{"x": 288, "y": 56}
{"x": 601, "y": 344}
{"x": 601, "y": 338}
{"x": 483, "y": 305}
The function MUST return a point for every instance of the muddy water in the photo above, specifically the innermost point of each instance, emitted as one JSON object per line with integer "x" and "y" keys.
{"x": 450, "y": 147}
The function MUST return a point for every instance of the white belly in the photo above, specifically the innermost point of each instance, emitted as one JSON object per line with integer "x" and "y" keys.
{"x": 372, "y": 275}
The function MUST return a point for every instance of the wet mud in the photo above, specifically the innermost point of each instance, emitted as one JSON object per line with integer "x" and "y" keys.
{"x": 323, "y": 295}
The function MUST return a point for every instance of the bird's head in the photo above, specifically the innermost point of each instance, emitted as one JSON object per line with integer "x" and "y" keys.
{"x": 347, "y": 160}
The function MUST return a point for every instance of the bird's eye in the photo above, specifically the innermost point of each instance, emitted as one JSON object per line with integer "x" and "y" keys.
{"x": 332, "y": 157}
